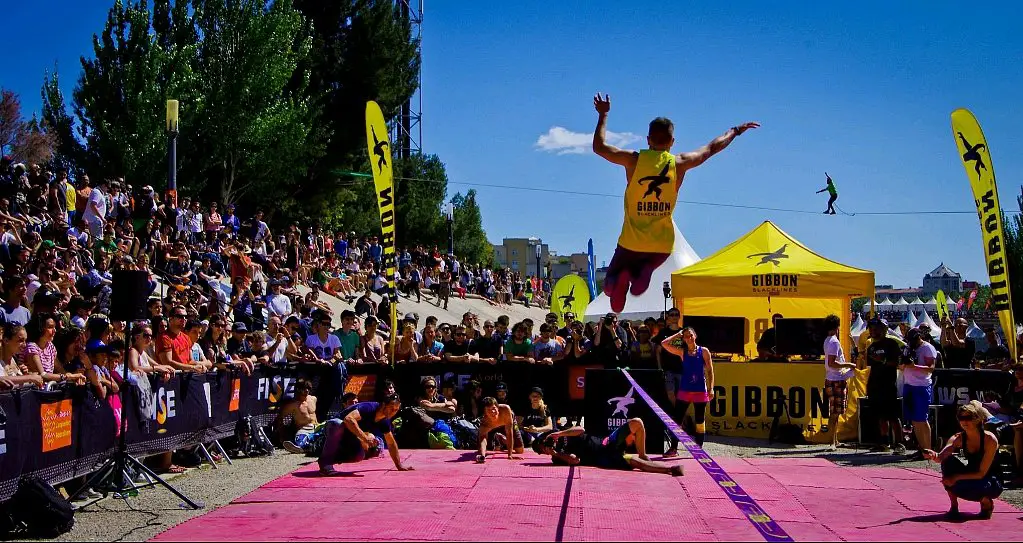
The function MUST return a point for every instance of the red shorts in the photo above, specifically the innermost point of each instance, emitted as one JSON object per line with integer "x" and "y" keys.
{"x": 630, "y": 271}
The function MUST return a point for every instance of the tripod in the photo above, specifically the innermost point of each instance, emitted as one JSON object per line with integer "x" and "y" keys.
{"x": 113, "y": 473}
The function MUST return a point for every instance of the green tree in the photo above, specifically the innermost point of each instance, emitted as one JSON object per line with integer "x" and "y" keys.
{"x": 69, "y": 150}
{"x": 421, "y": 184}
{"x": 1014, "y": 256}
{"x": 470, "y": 239}
{"x": 254, "y": 129}
{"x": 118, "y": 105}
{"x": 361, "y": 51}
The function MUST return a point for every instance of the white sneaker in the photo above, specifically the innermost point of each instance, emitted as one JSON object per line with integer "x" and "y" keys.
{"x": 899, "y": 449}
{"x": 92, "y": 494}
{"x": 292, "y": 448}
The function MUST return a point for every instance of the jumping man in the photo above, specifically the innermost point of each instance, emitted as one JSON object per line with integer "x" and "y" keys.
{"x": 653, "y": 178}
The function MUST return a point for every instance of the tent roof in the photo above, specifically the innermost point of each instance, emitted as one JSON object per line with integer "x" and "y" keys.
{"x": 766, "y": 261}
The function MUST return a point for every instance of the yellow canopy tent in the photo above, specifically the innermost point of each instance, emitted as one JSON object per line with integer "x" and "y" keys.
{"x": 768, "y": 271}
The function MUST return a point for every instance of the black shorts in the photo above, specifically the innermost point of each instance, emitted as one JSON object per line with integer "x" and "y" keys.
{"x": 885, "y": 404}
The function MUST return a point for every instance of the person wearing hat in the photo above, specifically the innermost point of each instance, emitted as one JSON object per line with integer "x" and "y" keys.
{"x": 537, "y": 419}
{"x": 883, "y": 355}
{"x": 237, "y": 344}
{"x": 917, "y": 390}
{"x": 610, "y": 341}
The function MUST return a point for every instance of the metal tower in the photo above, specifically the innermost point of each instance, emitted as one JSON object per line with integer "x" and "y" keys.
{"x": 406, "y": 126}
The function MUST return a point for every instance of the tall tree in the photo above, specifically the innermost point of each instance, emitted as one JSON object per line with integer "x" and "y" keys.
{"x": 118, "y": 105}
{"x": 69, "y": 150}
{"x": 11, "y": 123}
{"x": 470, "y": 239}
{"x": 362, "y": 50}
{"x": 36, "y": 144}
{"x": 255, "y": 130}
{"x": 1014, "y": 256}
{"x": 420, "y": 186}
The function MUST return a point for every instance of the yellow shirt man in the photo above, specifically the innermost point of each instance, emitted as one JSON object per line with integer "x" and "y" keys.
{"x": 654, "y": 177}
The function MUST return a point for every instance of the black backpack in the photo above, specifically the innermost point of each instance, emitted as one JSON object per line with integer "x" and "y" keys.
{"x": 41, "y": 509}
{"x": 251, "y": 440}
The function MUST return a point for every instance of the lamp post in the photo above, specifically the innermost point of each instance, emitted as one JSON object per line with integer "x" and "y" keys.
{"x": 666, "y": 289}
{"x": 172, "y": 153}
{"x": 539, "y": 252}
{"x": 449, "y": 213}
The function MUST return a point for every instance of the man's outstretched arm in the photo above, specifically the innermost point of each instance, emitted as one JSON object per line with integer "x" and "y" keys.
{"x": 693, "y": 159}
{"x": 600, "y": 145}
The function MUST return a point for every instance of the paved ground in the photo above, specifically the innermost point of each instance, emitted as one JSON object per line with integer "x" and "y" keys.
{"x": 156, "y": 510}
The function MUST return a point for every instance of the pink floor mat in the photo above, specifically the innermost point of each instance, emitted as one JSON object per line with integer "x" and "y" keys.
{"x": 450, "y": 498}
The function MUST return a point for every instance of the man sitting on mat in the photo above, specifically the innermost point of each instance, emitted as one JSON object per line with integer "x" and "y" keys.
{"x": 351, "y": 437}
{"x": 575, "y": 447}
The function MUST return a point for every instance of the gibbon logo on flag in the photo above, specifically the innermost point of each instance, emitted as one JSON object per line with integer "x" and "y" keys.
{"x": 976, "y": 156}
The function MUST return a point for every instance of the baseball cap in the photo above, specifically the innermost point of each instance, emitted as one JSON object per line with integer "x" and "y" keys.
{"x": 569, "y": 315}
{"x": 610, "y": 316}
{"x": 411, "y": 317}
{"x": 239, "y": 327}
{"x": 501, "y": 387}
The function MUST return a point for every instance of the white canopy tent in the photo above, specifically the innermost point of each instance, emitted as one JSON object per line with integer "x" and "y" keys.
{"x": 857, "y": 327}
{"x": 916, "y": 304}
{"x": 952, "y": 305}
{"x": 910, "y": 319}
{"x": 884, "y": 305}
{"x": 932, "y": 305}
{"x": 900, "y": 305}
{"x": 651, "y": 302}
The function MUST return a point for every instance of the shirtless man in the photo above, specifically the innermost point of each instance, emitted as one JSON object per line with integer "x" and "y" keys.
{"x": 303, "y": 413}
{"x": 654, "y": 177}
{"x": 496, "y": 416}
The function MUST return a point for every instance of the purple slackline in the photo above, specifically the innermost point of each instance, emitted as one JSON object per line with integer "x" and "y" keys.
{"x": 764, "y": 524}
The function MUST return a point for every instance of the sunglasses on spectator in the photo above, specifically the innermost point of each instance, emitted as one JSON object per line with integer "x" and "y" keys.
{"x": 179, "y": 316}
{"x": 460, "y": 334}
{"x": 430, "y": 387}
{"x": 147, "y": 336}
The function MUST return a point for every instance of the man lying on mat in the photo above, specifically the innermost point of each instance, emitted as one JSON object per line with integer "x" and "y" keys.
{"x": 498, "y": 416}
{"x": 575, "y": 447}
{"x": 351, "y": 437}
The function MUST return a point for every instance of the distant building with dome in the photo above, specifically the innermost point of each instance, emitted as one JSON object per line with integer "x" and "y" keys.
{"x": 944, "y": 279}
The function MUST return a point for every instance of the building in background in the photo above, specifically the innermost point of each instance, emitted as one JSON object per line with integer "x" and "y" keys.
{"x": 944, "y": 279}
{"x": 519, "y": 254}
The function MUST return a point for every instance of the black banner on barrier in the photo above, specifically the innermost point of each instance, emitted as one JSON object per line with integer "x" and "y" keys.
{"x": 611, "y": 401}
{"x": 63, "y": 434}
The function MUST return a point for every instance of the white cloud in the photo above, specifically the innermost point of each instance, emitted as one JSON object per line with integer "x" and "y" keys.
{"x": 563, "y": 141}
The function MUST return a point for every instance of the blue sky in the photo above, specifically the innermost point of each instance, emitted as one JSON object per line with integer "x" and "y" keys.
{"x": 863, "y": 92}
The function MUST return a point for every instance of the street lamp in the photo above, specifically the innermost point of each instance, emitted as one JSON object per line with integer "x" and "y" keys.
{"x": 666, "y": 289}
{"x": 172, "y": 153}
{"x": 449, "y": 213}
{"x": 539, "y": 252}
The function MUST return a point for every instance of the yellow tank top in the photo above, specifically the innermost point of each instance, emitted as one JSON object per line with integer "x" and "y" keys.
{"x": 649, "y": 203}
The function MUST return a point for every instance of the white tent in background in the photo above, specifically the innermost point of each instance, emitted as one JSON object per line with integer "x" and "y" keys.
{"x": 910, "y": 319}
{"x": 857, "y": 327}
{"x": 916, "y": 304}
{"x": 935, "y": 329}
{"x": 651, "y": 302}
{"x": 931, "y": 305}
{"x": 896, "y": 331}
{"x": 977, "y": 335}
{"x": 866, "y": 307}
{"x": 884, "y": 305}
{"x": 900, "y": 305}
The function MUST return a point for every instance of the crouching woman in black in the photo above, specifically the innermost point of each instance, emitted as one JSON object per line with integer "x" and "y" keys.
{"x": 974, "y": 480}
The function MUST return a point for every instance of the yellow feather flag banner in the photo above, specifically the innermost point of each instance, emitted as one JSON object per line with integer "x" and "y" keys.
{"x": 976, "y": 157}
{"x": 571, "y": 294}
{"x": 942, "y": 306}
{"x": 383, "y": 177}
